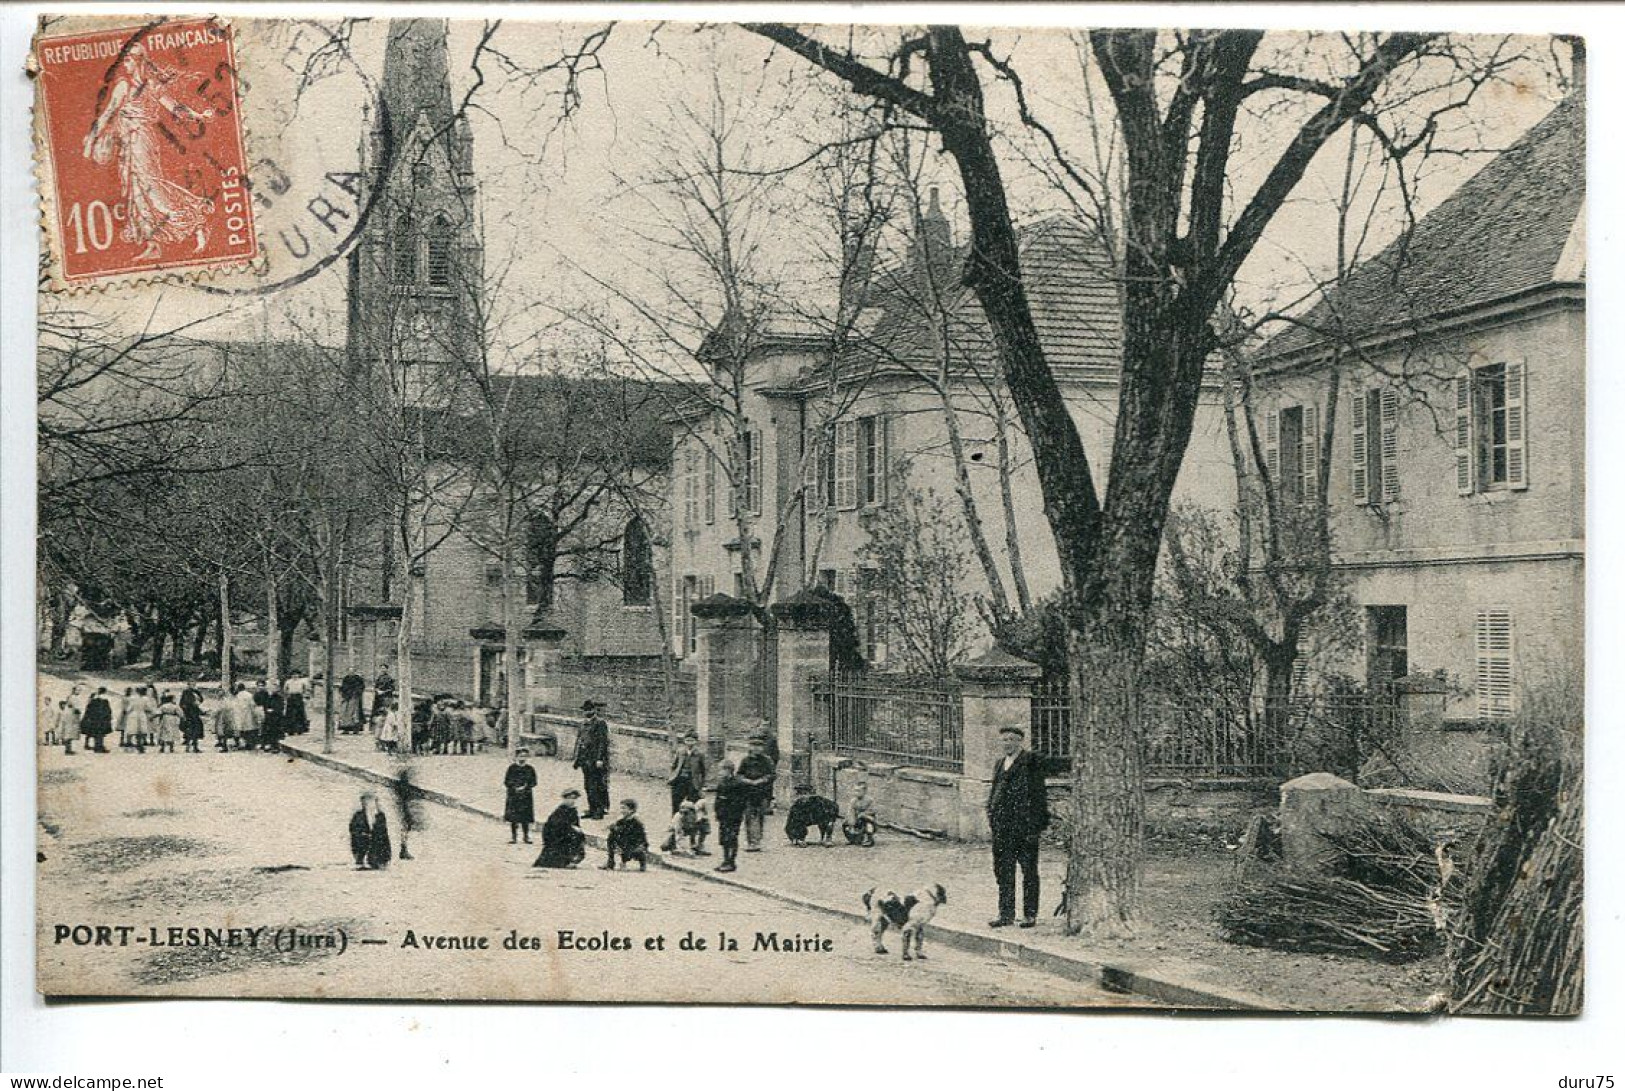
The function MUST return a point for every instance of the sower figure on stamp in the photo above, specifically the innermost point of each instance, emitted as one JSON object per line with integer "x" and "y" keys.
{"x": 520, "y": 809}
{"x": 1017, "y": 812}
{"x": 369, "y": 835}
{"x": 129, "y": 129}
{"x": 592, "y": 758}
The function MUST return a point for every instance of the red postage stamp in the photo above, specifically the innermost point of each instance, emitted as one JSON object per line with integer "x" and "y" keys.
{"x": 141, "y": 147}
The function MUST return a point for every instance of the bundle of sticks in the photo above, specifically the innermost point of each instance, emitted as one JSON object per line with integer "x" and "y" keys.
{"x": 1386, "y": 898}
{"x": 1518, "y": 943}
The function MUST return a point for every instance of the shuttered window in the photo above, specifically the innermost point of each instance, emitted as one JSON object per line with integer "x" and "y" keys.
{"x": 1494, "y": 673}
{"x": 1492, "y": 428}
{"x": 691, "y": 485}
{"x": 1374, "y": 446}
{"x": 1292, "y": 452}
{"x": 710, "y": 487}
{"x": 846, "y": 465}
{"x": 873, "y": 451}
{"x": 753, "y": 470}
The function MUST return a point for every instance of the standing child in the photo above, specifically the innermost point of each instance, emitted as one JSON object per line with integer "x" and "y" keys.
{"x": 733, "y": 796}
{"x": 860, "y": 830}
{"x": 169, "y": 724}
{"x": 67, "y": 725}
{"x": 628, "y": 838}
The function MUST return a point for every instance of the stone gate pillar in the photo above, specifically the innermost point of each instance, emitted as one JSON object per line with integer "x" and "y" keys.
{"x": 803, "y": 651}
{"x": 998, "y": 693}
{"x": 725, "y": 635}
{"x": 544, "y": 649}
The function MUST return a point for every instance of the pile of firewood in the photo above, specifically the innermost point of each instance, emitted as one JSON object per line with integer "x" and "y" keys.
{"x": 1386, "y": 898}
{"x": 1518, "y": 944}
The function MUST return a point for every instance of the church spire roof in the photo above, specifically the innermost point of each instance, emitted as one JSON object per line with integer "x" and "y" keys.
{"x": 416, "y": 78}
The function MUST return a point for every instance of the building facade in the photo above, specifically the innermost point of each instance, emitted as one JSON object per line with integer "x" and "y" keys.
{"x": 911, "y": 404}
{"x": 1457, "y": 491}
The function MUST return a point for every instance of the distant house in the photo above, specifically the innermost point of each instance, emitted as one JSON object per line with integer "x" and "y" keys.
{"x": 835, "y": 432}
{"x": 1457, "y": 496}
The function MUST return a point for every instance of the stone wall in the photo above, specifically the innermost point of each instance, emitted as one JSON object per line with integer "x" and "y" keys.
{"x": 640, "y": 751}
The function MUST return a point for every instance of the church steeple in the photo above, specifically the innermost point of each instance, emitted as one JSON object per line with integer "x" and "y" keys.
{"x": 416, "y": 79}
{"x": 416, "y": 267}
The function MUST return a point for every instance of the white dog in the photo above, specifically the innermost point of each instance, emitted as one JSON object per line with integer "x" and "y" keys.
{"x": 909, "y": 913}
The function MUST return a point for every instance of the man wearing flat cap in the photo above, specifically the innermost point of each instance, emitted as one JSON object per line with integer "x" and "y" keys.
{"x": 1017, "y": 812}
{"x": 592, "y": 758}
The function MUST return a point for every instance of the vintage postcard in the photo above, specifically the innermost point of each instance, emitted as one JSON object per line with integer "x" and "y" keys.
{"x": 808, "y": 514}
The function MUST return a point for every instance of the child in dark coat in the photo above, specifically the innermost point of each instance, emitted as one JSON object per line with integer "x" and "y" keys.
{"x": 733, "y": 797}
{"x": 627, "y": 837}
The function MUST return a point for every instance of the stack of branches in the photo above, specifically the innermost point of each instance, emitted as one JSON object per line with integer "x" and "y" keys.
{"x": 1518, "y": 944}
{"x": 1386, "y": 897}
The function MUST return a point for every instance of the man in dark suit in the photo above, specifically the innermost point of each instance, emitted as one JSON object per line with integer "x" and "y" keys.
{"x": 1017, "y": 812}
{"x": 592, "y": 758}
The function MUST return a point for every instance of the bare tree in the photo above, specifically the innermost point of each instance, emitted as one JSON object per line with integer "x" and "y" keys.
{"x": 1177, "y": 99}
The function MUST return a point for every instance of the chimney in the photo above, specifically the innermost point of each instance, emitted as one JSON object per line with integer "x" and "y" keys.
{"x": 935, "y": 243}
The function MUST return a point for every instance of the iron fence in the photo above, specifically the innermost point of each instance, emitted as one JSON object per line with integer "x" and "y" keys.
{"x": 903, "y": 719}
{"x": 1251, "y": 738}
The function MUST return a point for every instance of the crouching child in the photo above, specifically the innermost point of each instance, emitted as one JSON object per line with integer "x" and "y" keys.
{"x": 860, "y": 828}
{"x": 628, "y": 838}
{"x": 690, "y": 826}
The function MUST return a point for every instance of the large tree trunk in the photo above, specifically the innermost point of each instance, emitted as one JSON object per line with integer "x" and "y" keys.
{"x": 273, "y": 636}
{"x": 410, "y": 590}
{"x": 1107, "y": 829}
{"x": 225, "y": 633}
{"x": 511, "y": 625}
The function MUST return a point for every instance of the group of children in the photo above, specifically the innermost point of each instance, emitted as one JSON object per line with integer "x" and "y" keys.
{"x": 627, "y": 841}
{"x": 142, "y": 719}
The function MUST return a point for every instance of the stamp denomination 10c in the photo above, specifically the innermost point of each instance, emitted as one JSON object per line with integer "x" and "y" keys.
{"x": 140, "y": 143}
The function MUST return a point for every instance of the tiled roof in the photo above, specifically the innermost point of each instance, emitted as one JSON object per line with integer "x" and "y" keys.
{"x": 1069, "y": 283}
{"x": 1501, "y": 233}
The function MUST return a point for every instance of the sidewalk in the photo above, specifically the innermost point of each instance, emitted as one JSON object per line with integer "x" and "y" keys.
{"x": 1177, "y": 960}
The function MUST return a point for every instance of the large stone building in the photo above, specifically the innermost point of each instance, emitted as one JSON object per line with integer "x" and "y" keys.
{"x": 587, "y": 456}
{"x": 1457, "y": 495}
{"x": 913, "y": 395}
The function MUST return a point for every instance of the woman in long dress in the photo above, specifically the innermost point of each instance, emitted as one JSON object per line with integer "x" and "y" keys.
{"x": 129, "y": 129}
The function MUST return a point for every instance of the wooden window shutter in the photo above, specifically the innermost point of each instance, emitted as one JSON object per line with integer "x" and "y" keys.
{"x": 810, "y": 477}
{"x": 884, "y": 424}
{"x": 1517, "y": 428}
{"x": 1464, "y": 433}
{"x": 753, "y": 480}
{"x": 1388, "y": 399}
{"x": 1272, "y": 447}
{"x": 1309, "y": 464}
{"x": 846, "y": 464}
{"x": 710, "y": 487}
{"x": 1357, "y": 449}
{"x": 679, "y": 632}
{"x": 1493, "y": 678}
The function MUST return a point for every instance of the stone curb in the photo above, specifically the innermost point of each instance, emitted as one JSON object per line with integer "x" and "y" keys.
{"x": 1168, "y": 988}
